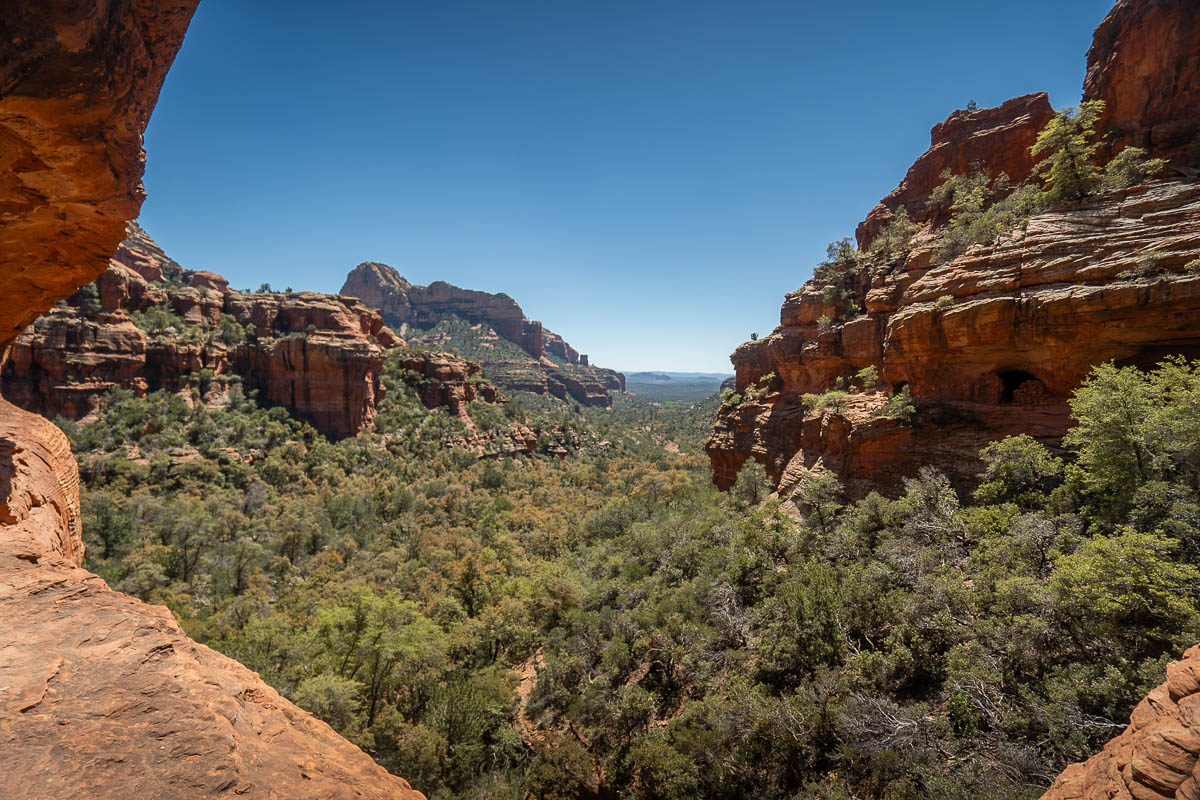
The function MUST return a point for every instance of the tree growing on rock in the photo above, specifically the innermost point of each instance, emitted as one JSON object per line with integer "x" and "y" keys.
{"x": 1068, "y": 146}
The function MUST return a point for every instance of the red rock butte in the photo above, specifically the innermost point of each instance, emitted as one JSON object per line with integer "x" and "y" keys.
{"x": 994, "y": 342}
{"x": 104, "y": 696}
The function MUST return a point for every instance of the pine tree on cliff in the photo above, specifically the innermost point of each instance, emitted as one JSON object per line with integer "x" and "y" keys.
{"x": 1069, "y": 145}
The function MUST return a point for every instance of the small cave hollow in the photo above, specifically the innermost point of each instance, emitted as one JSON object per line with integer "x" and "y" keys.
{"x": 1013, "y": 383}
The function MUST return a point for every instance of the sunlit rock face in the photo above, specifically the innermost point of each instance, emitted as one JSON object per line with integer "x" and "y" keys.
{"x": 995, "y": 141}
{"x": 549, "y": 365}
{"x": 78, "y": 81}
{"x": 1145, "y": 65}
{"x": 994, "y": 342}
{"x": 320, "y": 356}
{"x": 990, "y": 344}
{"x": 1157, "y": 756}
{"x": 103, "y": 696}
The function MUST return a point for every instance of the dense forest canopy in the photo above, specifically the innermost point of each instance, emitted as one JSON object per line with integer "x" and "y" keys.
{"x": 605, "y": 623}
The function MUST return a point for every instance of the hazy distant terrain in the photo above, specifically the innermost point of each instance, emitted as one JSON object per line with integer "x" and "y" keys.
{"x": 688, "y": 387}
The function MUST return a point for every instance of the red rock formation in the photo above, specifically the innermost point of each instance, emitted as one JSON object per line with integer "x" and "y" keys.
{"x": 141, "y": 254}
{"x": 1145, "y": 65}
{"x": 447, "y": 380}
{"x": 411, "y": 309}
{"x": 318, "y": 355}
{"x": 1156, "y": 757}
{"x": 71, "y": 161}
{"x": 990, "y": 344}
{"x": 994, "y": 141}
{"x": 994, "y": 342}
{"x": 103, "y": 696}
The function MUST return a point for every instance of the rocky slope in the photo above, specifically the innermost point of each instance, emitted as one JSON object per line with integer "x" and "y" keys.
{"x": 318, "y": 355}
{"x": 1143, "y": 64}
{"x": 103, "y": 696}
{"x": 535, "y": 360}
{"x": 1157, "y": 756}
{"x": 991, "y": 343}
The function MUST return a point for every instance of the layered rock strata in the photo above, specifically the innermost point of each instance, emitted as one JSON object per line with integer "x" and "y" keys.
{"x": 989, "y": 345}
{"x": 102, "y": 696}
{"x": 105, "y": 697}
{"x": 444, "y": 379}
{"x": 994, "y": 141}
{"x": 1144, "y": 64}
{"x": 994, "y": 342}
{"x": 544, "y": 363}
{"x": 77, "y": 84}
{"x": 1157, "y": 757}
{"x": 318, "y": 355}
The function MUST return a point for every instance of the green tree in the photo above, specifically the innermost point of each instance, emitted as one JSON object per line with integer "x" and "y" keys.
{"x": 1067, "y": 146}
{"x": 1018, "y": 469}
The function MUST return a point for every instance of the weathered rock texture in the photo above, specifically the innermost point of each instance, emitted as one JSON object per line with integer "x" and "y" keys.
{"x": 105, "y": 697}
{"x": 102, "y": 696}
{"x": 1156, "y": 757}
{"x": 318, "y": 355}
{"x": 994, "y": 342}
{"x": 990, "y": 344}
{"x": 447, "y": 380}
{"x": 542, "y": 362}
{"x": 994, "y": 141}
{"x": 1145, "y": 65}
{"x": 78, "y": 81}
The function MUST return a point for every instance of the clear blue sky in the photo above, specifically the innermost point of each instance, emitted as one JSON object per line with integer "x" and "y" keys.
{"x": 647, "y": 177}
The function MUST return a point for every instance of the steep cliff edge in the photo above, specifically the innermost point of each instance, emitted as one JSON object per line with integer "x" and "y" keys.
{"x": 989, "y": 345}
{"x": 103, "y": 696}
{"x": 1156, "y": 757}
{"x": 992, "y": 342}
{"x": 148, "y": 324}
{"x": 77, "y": 84}
{"x": 1144, "y": 64}
{"x": 517, "y": 353}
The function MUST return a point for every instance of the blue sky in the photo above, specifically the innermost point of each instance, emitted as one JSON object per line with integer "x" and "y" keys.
{"x": 647, "y": 178}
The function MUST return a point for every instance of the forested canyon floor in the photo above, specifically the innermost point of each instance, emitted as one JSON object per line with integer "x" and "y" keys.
{"x": 525, "y": 596}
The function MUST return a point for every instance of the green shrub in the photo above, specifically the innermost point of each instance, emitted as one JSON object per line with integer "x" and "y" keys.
{"x": 1147, "y": 266}
{"x": 867, "y": 377}
{"x": 1068, "y": 146}
{"x": 1131, "y": 167}
{"x": 894, "y": 240}
{"x": 899, "y": 406}
{"x": 833, "y": 400}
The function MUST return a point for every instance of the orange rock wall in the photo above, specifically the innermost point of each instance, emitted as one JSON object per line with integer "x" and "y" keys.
{"x": 103, "y": 696}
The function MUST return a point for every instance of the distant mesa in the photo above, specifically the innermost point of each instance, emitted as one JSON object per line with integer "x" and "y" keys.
{"x": 517, "y": 353}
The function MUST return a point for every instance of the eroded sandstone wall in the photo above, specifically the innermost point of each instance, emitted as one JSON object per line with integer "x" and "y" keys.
{"x": 318, "y": 355}
{"x": 994, "y": 342}
{"x": 103, "y": 696}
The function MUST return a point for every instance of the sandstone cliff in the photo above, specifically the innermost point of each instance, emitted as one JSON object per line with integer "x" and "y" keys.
{"x": 148, "y": 324}
{"x": 989, "y": 345}
{"x": 1156, "y": 757}
{"x": 993, "y": 342}
{"x": 103, "y": 696}
{"x": 535, "y": 360}
{"x": 1145, "y": 65}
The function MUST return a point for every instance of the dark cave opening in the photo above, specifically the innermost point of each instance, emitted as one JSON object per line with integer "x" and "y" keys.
{"x": 1011, "y": 380}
